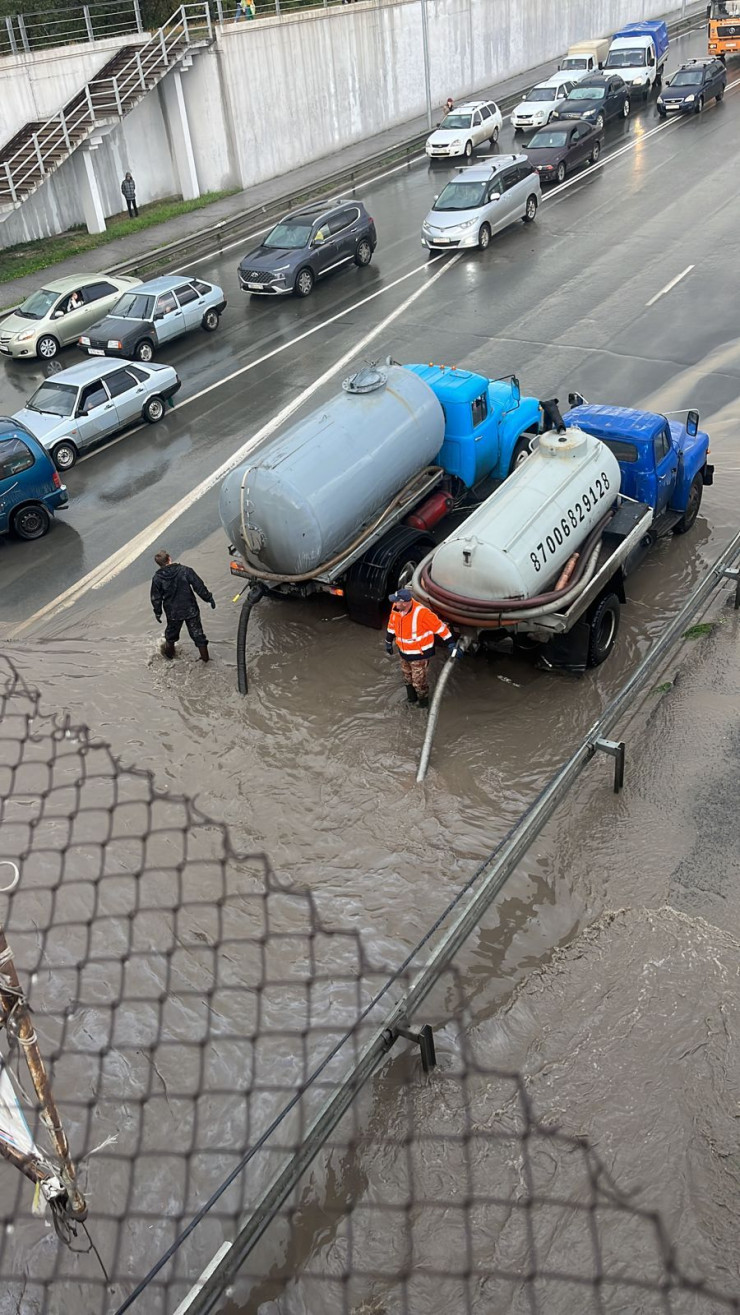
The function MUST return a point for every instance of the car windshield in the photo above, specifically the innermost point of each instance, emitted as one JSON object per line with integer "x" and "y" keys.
{"x": 38, "y": 304}
{"x": 548, "y": 137}
{"x": 576, "y": 61}
{"x": 541, "y": 93}
{"x": 587, "y": 93}
{"x": 627, "y": 58}
{"x": 460, "y": 196}
{"x": 725, "y": 9}
{"x": 54, "y": 398}
{"x": 133, "y": 306}
{"x": 288, "y": 235}
{"x": 687, "y": 77}
{"x": 453, "y": 121}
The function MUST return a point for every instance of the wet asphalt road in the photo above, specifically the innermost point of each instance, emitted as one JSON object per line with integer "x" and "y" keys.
{"x": 562, "y": 303}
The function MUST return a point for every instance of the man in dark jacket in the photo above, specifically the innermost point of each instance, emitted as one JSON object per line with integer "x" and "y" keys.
{"x": 128, "y": 187}
{"x": 174, "y": 587}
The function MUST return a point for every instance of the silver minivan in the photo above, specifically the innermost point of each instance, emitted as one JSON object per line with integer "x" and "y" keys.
{"x": 480, "y": 201}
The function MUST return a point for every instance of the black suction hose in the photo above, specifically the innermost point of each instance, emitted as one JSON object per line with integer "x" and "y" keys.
{"x": 252, "y": 597}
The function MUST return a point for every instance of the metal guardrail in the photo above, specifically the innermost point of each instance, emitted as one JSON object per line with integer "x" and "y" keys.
{"x": 103, "y": 99}
{"x": 55, "y": 26}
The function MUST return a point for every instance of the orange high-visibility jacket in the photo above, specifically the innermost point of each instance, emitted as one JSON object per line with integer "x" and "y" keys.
{"x": 414, "y": 631}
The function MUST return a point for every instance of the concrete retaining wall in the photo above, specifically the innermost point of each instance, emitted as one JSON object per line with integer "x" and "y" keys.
{"x": 273, "y": 94}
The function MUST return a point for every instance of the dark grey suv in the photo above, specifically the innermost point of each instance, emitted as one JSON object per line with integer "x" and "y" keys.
{"x": 307, "y": 244}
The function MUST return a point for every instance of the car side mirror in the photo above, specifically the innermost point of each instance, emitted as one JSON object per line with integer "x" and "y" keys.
{"x": 576, "y": 399}
{"x": 57, "y": 314}
{"x": 159, "y": 315}
{"x": 495, "y": 196}
{"x": 516, "y": 391}
{"x": 692, "y": 424}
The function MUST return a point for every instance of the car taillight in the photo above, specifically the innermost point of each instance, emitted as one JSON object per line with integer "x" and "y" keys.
{"x": 56, "y": 481}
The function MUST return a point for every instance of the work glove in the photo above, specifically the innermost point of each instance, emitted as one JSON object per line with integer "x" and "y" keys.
{"x": 159, "y": 619}
{"x": 389, "y": 647}
{"x": 213, "y": 602}
{"x": 454, "y": 649}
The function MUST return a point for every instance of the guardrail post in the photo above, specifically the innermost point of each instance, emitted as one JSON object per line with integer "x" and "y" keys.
{"x": 163, "y": 44}
{"x": 277, "y": 7}
{"x": 39, "y": 156}
{"x": 140, "y": 67}
{"x": 185, "y": 22}
{"x": 90, "y": 105}
{"x": 24, "y": 34}
{"x": 117, "y": 95}
{"x": 219, "y": 11}
{"x": 11, "y": 184}
{"x": 65, "y": 130}
{"x": 88, "y": 23}
{"x": 11, "y": 36}
{"x": 137, "y": 16}
{"x": 209, "y": 23}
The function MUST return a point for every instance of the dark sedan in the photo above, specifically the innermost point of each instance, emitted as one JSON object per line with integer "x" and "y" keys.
{"x": 556, "y": 150}
{"x": 153, "y": 314}
{"x": 600, "y": 97}
{"x": 690, "y": 87}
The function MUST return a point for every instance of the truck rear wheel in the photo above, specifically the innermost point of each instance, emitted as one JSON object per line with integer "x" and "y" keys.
{"x": 388, "y": 566}
{"x": 603, "y": 628}
{"x": 692, "y": 506}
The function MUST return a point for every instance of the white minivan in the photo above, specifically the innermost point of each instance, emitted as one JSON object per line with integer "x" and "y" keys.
{"x": 537, "y": 107}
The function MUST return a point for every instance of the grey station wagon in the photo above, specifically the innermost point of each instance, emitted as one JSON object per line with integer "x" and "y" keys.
{"x": 81, "y": 407}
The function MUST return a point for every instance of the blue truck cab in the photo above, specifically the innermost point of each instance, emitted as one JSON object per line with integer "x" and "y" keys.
{"x": 30, "y": 487}
{"x": 663, "y": 463}
{"x": 488, "y": 424}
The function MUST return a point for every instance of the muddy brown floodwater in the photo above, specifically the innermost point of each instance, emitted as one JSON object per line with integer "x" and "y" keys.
{"x": 608, "y": 972}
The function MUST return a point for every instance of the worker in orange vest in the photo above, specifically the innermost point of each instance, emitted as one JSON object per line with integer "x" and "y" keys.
{"x": 414, "y": 627}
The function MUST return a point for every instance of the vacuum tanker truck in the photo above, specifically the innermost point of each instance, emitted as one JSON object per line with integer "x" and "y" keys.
{"x": 345, "y": 500}
{"x": 541, "y": 564}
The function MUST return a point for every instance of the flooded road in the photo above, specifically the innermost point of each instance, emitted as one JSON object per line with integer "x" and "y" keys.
{"x": 608, "y": 972}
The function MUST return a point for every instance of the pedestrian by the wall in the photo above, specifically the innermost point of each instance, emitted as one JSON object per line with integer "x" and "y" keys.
{"x": 174, "y": 587}
{"x": 244, "y": 9}
{"x": 128, "y": 187}
{"x": 449, "y": 105}
{"x": 414, "y": 627}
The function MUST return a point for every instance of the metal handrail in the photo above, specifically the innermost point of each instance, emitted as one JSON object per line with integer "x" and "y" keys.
{"x": 107, "y": 97}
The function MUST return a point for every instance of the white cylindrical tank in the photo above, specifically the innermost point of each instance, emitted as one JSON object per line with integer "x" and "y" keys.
{"x": 516, "y": 544}
{"x": 309, "y": 491}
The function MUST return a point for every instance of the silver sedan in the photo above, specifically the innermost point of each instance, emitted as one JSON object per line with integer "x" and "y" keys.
{"x": 79, "y": 408}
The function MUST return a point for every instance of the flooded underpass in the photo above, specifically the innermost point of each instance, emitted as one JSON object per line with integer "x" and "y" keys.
{"x": 172, "y": 973}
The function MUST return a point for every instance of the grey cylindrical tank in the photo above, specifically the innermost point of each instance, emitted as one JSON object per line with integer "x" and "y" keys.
{"x": 308, "y": 492}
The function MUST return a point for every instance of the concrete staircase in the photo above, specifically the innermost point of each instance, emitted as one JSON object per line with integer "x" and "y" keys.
{"x": 37, "y": 149}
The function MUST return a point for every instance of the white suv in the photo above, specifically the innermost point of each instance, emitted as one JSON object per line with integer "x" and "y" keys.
{"x": 537, "y": 107}
{"x": 464, "y": 128}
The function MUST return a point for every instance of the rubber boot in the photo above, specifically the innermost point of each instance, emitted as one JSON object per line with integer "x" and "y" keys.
{"x": 411, "y": 694}
{"x": 203, "y": 650}
{"x": 423, "y": 700}
{"x": 167, "y": 649}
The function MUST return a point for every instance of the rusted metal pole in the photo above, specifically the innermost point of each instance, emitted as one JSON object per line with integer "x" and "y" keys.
{"x": 13, "y": 1002}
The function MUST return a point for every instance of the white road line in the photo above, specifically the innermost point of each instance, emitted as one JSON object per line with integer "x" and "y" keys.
{"x": 284, "y": 347}
{"x": 123, "y": 558}
{"x": 670, "y": 285}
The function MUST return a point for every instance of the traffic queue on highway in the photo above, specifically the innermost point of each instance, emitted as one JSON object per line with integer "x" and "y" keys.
{"x": 121, "y": 322}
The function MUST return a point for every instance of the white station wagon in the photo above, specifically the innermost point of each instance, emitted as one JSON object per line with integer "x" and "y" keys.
{"x": 475, "y": 123}
{"x": 538, "y": 105}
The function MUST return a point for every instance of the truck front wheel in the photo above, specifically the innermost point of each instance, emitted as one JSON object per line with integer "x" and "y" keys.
{"x": 692, "y": 506}
{"x": 603, "y": 629}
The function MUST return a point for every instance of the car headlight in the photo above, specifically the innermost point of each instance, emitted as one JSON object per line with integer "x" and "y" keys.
{"x": 690, "y": 98}
{"x": 113, "y": 342}
{"x": 84, "y": 341}
{"x": 26, "y": 336}
{"x": 279, "y": 269}
{"x": 467, "y": 223}
{"x": 659, "y": 100}
{"x": 455, "y": 146}
{"x": 426, "y": 228}
{"x": 637, "y": 82}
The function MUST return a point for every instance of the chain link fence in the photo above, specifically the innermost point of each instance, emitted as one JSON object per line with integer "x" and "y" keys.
{"x": 195, "y": 1014}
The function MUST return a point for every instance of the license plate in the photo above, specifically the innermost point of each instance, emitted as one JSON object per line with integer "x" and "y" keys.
{"x": 95, "y": 351}
{"x": 255, "y": 287}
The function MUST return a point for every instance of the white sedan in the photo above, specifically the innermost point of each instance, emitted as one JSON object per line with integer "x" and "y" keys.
{"x": 537, "y": 107}
{"x": 475, "y": 123}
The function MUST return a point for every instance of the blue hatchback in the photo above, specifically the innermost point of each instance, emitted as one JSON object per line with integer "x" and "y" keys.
{"x": 30, "y": 487}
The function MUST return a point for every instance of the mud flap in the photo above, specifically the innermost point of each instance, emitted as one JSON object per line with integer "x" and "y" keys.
{"x": 568, "y": 652}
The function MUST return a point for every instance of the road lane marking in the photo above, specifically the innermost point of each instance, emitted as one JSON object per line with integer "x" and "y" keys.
{"x": 123, "y": 557}
{"x": 670, "y": 285}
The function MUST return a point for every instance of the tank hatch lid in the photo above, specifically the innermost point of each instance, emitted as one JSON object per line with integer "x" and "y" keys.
{"x": 563, "y": 443}
{"x": 367, "y": 380}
